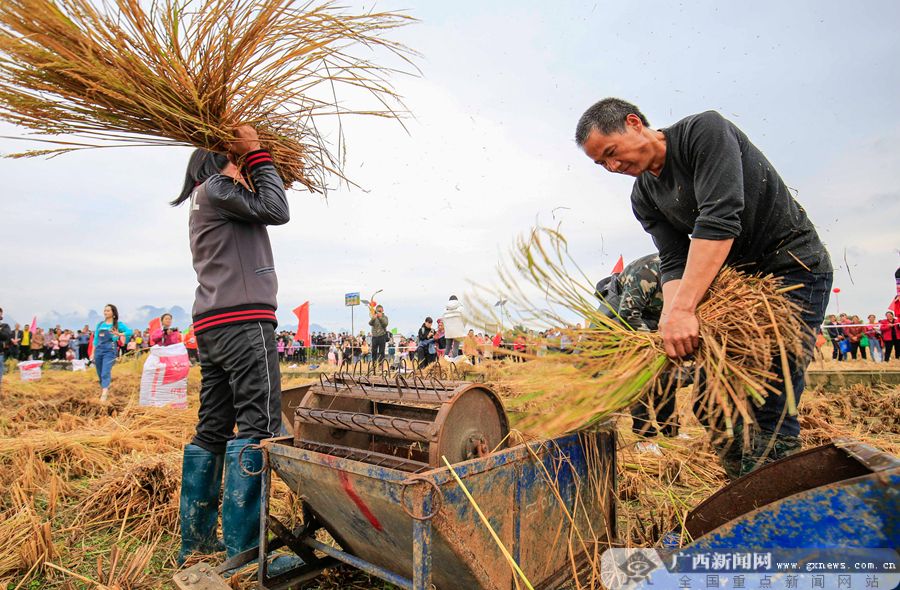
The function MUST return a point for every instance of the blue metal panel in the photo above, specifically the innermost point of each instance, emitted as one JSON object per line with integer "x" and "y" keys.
{"x": 859, "y": 512}
{"x": 517, "y": 513}
{"x": 422, "y": 534}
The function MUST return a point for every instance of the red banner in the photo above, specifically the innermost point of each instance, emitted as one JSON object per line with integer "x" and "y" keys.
{"x": 302, "y": 314}
{"x": 895, "y": 304}
{"x": 619, "y": 267}
{"x": 155, "y": 324}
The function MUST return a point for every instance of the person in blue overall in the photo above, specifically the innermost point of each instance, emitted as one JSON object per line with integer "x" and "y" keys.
{"x": 106, "y": 344}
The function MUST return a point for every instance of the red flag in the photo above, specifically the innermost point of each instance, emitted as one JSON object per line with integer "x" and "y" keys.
{"x": 302, "y": 314}
{"x": 155, "y": 324}
{"x": 619, "y": 267}
{"x": 895, "y": 304}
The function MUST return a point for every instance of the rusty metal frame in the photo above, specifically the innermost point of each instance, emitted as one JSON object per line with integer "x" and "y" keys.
{"x": 421, "y": 500}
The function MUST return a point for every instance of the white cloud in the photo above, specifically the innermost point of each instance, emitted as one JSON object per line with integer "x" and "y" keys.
{"x": 490, "y": 152}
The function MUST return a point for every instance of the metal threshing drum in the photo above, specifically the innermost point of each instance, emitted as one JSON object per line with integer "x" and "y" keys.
{"x": 407, "y": 424}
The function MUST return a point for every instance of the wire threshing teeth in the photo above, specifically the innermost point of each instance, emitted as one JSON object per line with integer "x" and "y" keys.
{"x": 391, "y": 426}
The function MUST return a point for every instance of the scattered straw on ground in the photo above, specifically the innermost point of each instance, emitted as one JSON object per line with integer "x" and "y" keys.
{"x": 93, "y": 490}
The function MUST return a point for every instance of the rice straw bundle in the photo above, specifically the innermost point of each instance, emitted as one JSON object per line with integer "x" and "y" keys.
{"x": 176, "y": 72}
{"x": 745, "y": 323}
{"x": 144, "y": 492}
{"x": 61, "y": 415}
{"x": 36, "y": 458}
{"x": 868, "y": 414}
{"x": 127, "y": 570}
{"x": 24, "y": 540}
{"x": 656, "y": 491}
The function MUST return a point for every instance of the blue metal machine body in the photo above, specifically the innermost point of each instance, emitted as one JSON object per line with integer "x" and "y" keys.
{"x": 846, "y": 494}
{"x": 418, "y": 530}
{"x": 827, "y": 517}
{"x": 862, "y": 512}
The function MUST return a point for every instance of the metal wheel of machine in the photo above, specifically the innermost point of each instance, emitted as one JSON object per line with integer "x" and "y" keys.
{"x": 471, "y": 425}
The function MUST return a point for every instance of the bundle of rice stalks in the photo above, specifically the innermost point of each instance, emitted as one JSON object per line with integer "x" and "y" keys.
{"x": 745, "y": 323}
{"x": 61, "y": 415}
{"x": 126, "y": 571}
{"x": 179, "y": 425}
{"x": 657, "y": 490}
{"x": 173, "y": 72}
{"x": 36, "y": 477}
{"x": 33, "y": 460}
{"x": 142, "y": 493}
{"x": 868, "y": 414}
{"x": 25, "y": 541}
{"x": 286, "y": 505}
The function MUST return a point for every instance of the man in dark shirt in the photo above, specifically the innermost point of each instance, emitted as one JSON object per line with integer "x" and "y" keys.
{"x": 709, "y": 197}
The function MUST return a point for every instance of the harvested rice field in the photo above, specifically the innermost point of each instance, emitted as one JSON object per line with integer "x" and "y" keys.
{"x": 91, "y": 491}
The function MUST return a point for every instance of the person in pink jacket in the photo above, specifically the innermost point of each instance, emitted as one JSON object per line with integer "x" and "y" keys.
{"x": 165, "y": 335}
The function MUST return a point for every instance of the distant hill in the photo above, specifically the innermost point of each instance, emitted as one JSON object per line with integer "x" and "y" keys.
{"x": 137, "y": 318}
{"x": 312, "y": 328}
{"x": 141, "y": 316}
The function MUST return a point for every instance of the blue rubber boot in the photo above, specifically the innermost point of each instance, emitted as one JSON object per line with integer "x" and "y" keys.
{"x": 241, "y": 504}
{"x": 241, "y": 501}
{"x": 201, "y": 480}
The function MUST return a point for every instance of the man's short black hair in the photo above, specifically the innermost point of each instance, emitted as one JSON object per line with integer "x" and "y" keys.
{"x": 606, "y": 116}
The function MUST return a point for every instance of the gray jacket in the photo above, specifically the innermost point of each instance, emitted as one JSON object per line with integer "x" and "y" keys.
{"x": 379, "y": 325}
{"x": 232, "y": 255}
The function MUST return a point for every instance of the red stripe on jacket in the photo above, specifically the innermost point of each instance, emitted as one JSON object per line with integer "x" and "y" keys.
{"x": 234, "y": 317}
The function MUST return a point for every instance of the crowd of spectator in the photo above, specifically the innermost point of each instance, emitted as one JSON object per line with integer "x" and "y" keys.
{"x": 54, "y": 344}
{"x": 429, "y": 344}
{"x": 851, "y": 338}
{"x": 876, "y": 340}
{"x": 48, "y": 344}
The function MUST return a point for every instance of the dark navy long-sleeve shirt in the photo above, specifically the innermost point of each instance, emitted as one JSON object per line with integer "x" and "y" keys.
{"x": 716, "y": 185}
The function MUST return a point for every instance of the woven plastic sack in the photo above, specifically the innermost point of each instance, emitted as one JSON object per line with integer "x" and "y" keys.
{"x": 164, "y": 380}
{"x": 79, "y": 364}
{"x": 30, "y": 370}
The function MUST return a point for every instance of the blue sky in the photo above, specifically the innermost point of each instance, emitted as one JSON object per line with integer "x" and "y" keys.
{"x": 488, "y": 150}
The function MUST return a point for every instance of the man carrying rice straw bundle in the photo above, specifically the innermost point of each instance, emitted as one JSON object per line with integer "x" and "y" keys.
{"x": 234, "y": 321}
{"x": 709, "y": 197}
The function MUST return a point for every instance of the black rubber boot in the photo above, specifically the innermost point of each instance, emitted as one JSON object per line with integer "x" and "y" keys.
{"x": 767, "y": 447}
{"x": 201, "y": 481}
{"x": 731, "y": 456}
